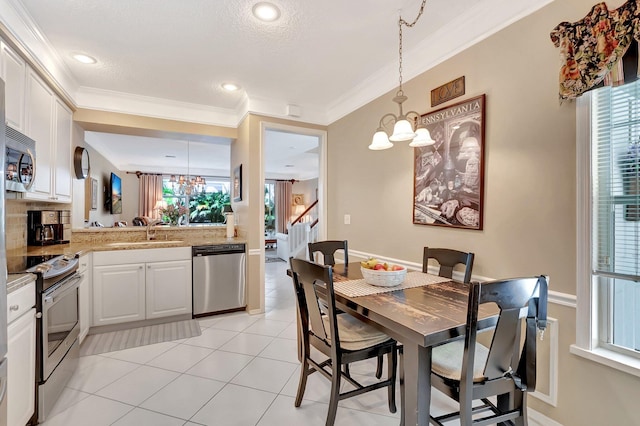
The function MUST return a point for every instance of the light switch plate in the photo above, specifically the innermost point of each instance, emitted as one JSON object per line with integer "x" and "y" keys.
{"x": 347, "y": 219}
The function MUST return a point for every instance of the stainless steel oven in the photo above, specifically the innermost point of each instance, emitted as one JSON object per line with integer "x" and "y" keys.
{"x": 57, "y": 329}
{"x": 59, "y": 321}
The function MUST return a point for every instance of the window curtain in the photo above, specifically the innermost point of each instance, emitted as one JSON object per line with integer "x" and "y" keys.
{"x": 283, "y": 205}
{"x": 591, "y": 49}
{"x": 150, "y": 193}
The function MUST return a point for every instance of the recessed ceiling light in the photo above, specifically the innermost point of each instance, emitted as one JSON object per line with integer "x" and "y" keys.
{"x": 266, "y": 12}
{"x": 230, "y": 87}
{"x": 85, "y": 59}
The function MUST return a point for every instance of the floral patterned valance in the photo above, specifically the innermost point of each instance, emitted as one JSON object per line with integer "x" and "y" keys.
{"x": 593, "y": 46}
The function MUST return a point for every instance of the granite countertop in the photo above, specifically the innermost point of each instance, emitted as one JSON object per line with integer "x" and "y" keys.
{"x": 73, "y": 248}
{"x": 16, "y": 281}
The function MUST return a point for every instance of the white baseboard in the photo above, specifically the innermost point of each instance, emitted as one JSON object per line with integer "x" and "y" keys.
{"x": 538, "y": 419}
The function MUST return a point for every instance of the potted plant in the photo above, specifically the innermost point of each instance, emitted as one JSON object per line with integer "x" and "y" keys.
{"x": 173, "y": 212}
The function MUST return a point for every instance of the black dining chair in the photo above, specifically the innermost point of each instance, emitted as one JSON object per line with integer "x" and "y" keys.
{"x": 465, "y": 370}
{"x": 343, "y": 339}
{"x": 328, "y": 249}
{"x": 448, "y": 259}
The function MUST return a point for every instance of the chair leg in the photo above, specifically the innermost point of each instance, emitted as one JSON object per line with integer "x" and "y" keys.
{"x": 391, "y": 375}
{"x": 345, "y": 368}
{"x": 401, "y": 372}
{"x": 302, "y": 383}
{"x": 520, "y": 400}
{"x": 379, "y": 367}
{"x": 466, "y": 410}
{"x": 335, "y": 395}
{"x": 510, "y": 401}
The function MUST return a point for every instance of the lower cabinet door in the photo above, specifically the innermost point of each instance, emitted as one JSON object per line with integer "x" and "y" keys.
{"x": 118, "y": 294}
{"x": 168, "y": 288}
{"x": 84, "y": 308}
{"x": 21, "y": 358}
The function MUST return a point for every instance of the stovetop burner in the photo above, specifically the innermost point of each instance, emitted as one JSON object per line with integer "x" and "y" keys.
{"x": 36, "y": 260}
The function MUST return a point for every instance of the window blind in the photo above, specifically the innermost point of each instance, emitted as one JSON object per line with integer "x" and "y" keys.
{"x": 616, "y": 181}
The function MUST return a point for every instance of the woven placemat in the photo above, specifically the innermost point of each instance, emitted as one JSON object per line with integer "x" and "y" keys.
{"x": 355, "y": 288}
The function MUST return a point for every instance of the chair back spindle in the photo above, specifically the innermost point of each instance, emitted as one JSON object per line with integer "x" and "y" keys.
{"x": 328, "y": 249}
{"x": 448, "y": 259}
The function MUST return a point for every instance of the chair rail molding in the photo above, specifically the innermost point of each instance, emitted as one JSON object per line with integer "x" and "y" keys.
{"x": 555, "y": 297}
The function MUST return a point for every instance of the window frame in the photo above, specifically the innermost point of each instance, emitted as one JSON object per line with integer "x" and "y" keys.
{"x": 187, "y": 198}
{"x": 591, "y": 295}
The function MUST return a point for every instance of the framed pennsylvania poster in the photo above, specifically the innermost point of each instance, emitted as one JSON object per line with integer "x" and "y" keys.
{"x": 449, "y": 175}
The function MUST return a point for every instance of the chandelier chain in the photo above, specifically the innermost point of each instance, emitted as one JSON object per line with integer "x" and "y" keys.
{"x": 402, "y": 22}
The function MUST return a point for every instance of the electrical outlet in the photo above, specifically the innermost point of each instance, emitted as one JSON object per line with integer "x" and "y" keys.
{"x": 347, "y": 219}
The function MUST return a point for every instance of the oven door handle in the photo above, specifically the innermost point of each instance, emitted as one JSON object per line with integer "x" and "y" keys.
{"x": 63, "y": 290}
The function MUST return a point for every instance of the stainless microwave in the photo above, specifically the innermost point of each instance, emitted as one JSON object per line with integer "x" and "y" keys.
{"x": 20, "y": 167}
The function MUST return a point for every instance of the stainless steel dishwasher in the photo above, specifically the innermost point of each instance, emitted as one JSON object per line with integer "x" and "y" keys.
{"x": 218, "y": 278}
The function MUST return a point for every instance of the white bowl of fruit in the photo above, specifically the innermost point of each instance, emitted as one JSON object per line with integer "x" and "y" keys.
{"x": 382, "y": 274}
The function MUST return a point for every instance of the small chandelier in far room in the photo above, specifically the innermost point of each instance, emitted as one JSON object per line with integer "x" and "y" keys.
{"x": 183, "y": 186}
{"x": 403, "y": 129}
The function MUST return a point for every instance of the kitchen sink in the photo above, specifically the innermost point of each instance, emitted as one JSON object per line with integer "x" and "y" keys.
{"x": 142, "y": 243}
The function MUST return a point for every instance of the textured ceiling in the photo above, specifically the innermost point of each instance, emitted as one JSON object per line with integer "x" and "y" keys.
{"x": 328, "y": 56}
{"x": 184, "y": 50}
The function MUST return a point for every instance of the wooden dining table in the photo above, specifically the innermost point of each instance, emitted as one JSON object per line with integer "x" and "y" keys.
{"x": 420, "y": 318}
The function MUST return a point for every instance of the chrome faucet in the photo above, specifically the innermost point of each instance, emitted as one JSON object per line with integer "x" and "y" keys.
{"x": 151, "y": 231}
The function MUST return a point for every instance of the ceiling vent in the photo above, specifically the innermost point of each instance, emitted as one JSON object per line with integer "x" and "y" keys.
{"x": 294, "y": 111}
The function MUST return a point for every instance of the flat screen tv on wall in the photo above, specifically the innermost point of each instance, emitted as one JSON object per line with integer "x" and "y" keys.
{"x": 116, "y": 195}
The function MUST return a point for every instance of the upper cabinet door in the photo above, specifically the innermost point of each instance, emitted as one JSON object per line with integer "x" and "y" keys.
{"x": 13, "y": 73}
{"x": 62, "y": 142}
{"x": 39, "y": 124}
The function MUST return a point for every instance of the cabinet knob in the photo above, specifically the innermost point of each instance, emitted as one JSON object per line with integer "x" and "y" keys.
{"x": 14, "y": 307}
{"x": 38, "y": 315}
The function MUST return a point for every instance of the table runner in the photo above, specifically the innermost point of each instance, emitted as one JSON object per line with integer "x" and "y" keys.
{"x": 355, "y": 288}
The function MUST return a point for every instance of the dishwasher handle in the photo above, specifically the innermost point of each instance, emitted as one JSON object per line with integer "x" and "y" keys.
{"x": 214, "y": 250}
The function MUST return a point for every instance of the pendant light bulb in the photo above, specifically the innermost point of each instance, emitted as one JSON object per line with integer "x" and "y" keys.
{"x": 380, "y": 140}
{"x": 402, "y": 130}
{"x": 423, "y": 138}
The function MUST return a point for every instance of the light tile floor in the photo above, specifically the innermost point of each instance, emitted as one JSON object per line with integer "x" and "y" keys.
{"x": 243, "y": 370}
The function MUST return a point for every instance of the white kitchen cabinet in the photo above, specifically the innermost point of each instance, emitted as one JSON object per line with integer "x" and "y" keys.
{"x": 21, "y": 355}
{"x": 118, "y": 293}
{"x": 13, "y": 73}
{"x": 133, "y": 285}
{"x": 84, "y": 289}
{"x": 48, "y": 121}
{"x": 63, "y": 120}
{"x": 167, "y": 293}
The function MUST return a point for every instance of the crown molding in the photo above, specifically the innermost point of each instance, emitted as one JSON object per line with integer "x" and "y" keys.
{"x": 112, "y": 101}
{"x": 36, "y": 49}
{"x": 435, "y": 49}
{"x": 495, "y": 14}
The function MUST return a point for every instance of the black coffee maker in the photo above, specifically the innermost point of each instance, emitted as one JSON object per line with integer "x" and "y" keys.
{"x": 45, "y": 227}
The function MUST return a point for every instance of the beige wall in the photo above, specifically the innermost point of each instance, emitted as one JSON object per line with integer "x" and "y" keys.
{"x": 247, "y": 150}
{"x": 530, "y": 191}
{"x": 101, "y": 170}
{"x": 308, "y": 188}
